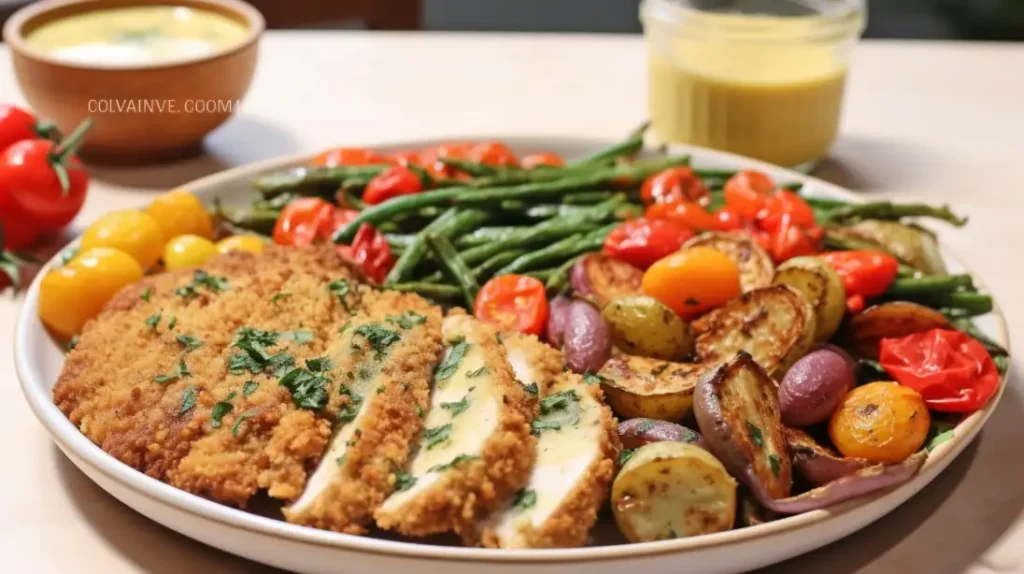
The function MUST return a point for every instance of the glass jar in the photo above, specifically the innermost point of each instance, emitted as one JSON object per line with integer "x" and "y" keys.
{"x": 761, "y": 78}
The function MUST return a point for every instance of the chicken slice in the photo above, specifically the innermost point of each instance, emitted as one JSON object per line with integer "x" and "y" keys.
{"x": 576, "y": 454}
{"x": 535, "y": 365}
{"x": 382, "y": 367}
{"x": 476, "y": 449}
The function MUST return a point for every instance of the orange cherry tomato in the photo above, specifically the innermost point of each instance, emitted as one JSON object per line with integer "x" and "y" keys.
{"x": 303, "y": 221}
{"x": 693, "y": 281}
{"x": 746, "y": 192}
{"x": 548, "y": 159}
{"x": 350, "y": 156}
{"x": 513, "y": 303}
{"x": 880, "y": 422}
{"x": 493, "y": 153}
{"x": 672, "y": 185}
{"x": 396, "y": 181}
{"x": 687, "y": 213}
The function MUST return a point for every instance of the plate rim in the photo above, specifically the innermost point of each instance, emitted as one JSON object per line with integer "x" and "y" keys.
{"x": 68, "y": 436}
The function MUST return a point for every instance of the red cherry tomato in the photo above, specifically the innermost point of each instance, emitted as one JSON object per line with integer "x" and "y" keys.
{"x": 951, "y": 370}
{"x": 406, "y": 158}
{"x": 687, "y": 213}
{"x": 30, "y": 172}
{"x": 304, "y": 221}
{"x": 783, "y": 202}
{"x": 641, "y": 242}
{"x": 18, "y": 231}
{"x": 746, "y": 193}
{"x": 493, "y": 153}
{"x": 547, "y": 159}
{"x": 371, "y": 252}
{"x": 672, "y": 185}
{"x": 430, "y": 158}
{"x": 350, "y": 156}
{"x": 513, "y": 303}
{"x": 728, "y": 220}
{"x": 396, "y": 181}
{"x": 17, "y": 124}
{"x": 790, "y": 240}
{"x": 865, "y": 274}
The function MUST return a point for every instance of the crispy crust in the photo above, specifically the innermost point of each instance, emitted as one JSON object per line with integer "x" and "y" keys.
{"x": 473, "y": 489}
{"x": 545, "y": 361}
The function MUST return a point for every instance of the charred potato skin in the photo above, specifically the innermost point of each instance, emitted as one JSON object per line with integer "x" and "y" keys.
{"x": 637, "y": 387}
{"x": 644, "y": 326}
{"x": 895, "y": 319}
{"x": 774, "y": 324}
{"x": 754, "y": 451}
{"x": 604, "y": 279}
{"x": 756, "y": 267}
{"x": 819, "y": 283}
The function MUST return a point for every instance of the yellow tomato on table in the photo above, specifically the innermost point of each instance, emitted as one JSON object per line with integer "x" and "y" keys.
{"x": 693, "y": 280}
{"x": 130, "y": 231}
{"x": 178, "y": 212}
{"x": 187, "y": 251}
{"x": 71, "y": 295}
{"x": 250, "y": 243}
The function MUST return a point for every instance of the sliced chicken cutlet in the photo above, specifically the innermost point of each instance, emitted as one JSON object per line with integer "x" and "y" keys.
{"x": 382, "y": 365}
{"x": 576, "y": 452}
{"x": 535, "y": 365}
{"x": 476, "y": 449}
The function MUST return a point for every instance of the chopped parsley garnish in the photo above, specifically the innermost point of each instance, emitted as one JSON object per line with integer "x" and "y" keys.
{"x": 525, "y": 498}
{"x": 403, "y": 480}
{"x": 774, "y": 461}
{"x": 456, "y": 408}
{"x": 73, "y": 342}
{"x": 341, "y": 460}
{"x": 341, "y": 289}
{"x": 188, "y": 400}
{"x": 348, "y": 413}
{"x": 238, "y": 422}
{"x": 201, "y": 278}
{"x": 309, "y": 390}
{"x": 220, "y": 409}
{"x": 453, "y": 462}
{"x": 436, "y": 435}
{"x": 380, "y": 338}
{"x": 319, "y": 365}
{"x": 364, "y": 373}
{"x": 249, "y": 388}
{"x": 191, "y": 343}
{"x": 256, "y": 359}
{"x": 477, "y": 372}
{"x": 591, "y": 378}
{"x": 756, "y": 436}
{"x": 153, "y": 320}
{"x": 558, "y": 401}
{"x": 146, "y": 294}
{"x": 68, "y": 255}
{"x": 559, "y": 409}
{"x": 531, "y": 388}
{"x": 419, "y": 411}
{"x": 180, "y": 372}
{"x": 298, "y": 335}
{"x": 451, "y": 363}
{"x": 644, "y": 426}
{"x": 172, "y": 323}
{"x": 407, "y": 320}
{"x": 278, "y": 296}
{"x": 343, "y": 328}
{"x": 380, "y": 390}
{"x": 625, "y": 455}
{"x": 539, "y": 426}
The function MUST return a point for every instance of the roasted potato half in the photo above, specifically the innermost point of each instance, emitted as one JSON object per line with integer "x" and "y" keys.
{"x": 672, "y": 490}
{"x": 644, "y": 326}
{"x": 649, "y": 388}
{"x": 819, "y": 283}
{"x": 895, "y": 319}
{"x": 756, "y": 267}
{"x": 775, "y": 325}
{"x": 914, "y": 245}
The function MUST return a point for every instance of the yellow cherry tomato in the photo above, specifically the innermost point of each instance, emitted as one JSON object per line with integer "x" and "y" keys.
{"x": 178, "y": 212}
{"x": 187, "y": 251}
{"x": 250, "y": 243}
{"x": 880, "y": 422}
{"x": 71, "y": 295}
{"x": 693, "y": 281}
{"x": 131, "y": 231}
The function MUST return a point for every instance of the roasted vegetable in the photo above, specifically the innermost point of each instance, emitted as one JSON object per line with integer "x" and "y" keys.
{"x": 750, "y": 512}
{"x": 913, "y": 245}
{"x": 672, "y": 490}
{"x": 558, "y": 311}
{"x": 602, "y": 278}
{"x": 819, "y": 283}
{"x": 813, "y": 387}
{"x": 817, "y": 463}
{"x": 642, "y": 387}
{"x": 891, "y": 320}
{"x": 756, "y": 267}
{"x": 774, "y": 324}
{"x": 737, "y": 412}
{"x": 586, "y": 341}
{"x": 634, "y": 433}
{"x": 644, "y": 326}
{"x": 880, "y": 422}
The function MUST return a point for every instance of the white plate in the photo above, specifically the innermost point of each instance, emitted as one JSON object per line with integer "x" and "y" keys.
{"x": 38, "y": 359}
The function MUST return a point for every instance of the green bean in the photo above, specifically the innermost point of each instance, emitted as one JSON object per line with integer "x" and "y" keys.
{"x": 415, "y": 251}
{"x": 455, "y": 266}
{"x": 541, "y": 275}
{"x": 906, "y": 271}
{"x": 586, "y": 197}
{"x": 549, "y": 210}
{"x": 836, "y": 241}
{"x": 474, "y": 168}
{"x": 382, "y": 212}
{"x": 558, "y": 280}
{"x": 707, "y": 173}
{"x": 969, "y": 302}
{"x": 486, "y": 269}
{"x": 259, "y": 220}
{"x": 889, "y": 210}
{"x": 1002, "y": 363}
{"x": 399, "y": 240}
{"x": 926, "y": 286}
{"x": 281, "y": 181}
{"x": 629, "y": 147}
{"x": 824, "y": 202}
{"x": 431, "y": 290}
{"x": 546, "y": 231}
{"x": 968, "y": 327}
{"x": 557, "y": 251}
{"x": 348, "y": 199}
{"x": 484, "y": 235}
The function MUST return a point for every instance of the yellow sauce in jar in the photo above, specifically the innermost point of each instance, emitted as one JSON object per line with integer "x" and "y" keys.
{"x": 779, "y": 102}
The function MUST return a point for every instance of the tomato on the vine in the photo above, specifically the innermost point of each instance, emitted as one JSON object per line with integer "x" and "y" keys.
{"x": 17, "y": 124}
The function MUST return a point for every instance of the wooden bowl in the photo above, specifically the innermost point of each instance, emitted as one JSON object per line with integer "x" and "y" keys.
{"x": 143, "y": 113}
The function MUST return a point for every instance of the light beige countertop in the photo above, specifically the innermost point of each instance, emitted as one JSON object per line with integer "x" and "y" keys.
{"x": 937, "y": 121}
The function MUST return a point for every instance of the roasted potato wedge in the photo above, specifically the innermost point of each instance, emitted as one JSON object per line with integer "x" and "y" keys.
{"x": 819, "y": 283}
{"x": 672, "y": 490}
{"x": 649, "y": 388}
{"x": 644, "y": 326}
{"x": 775, "y": 325}
{"x": 634, "y": 433}
{"x": 602, "y": 278}
{"x": 895, "y": 319}
{"x": 817, "y": 463}
{"x": 756, "y": 267}
{"x": 737, "y": 412}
